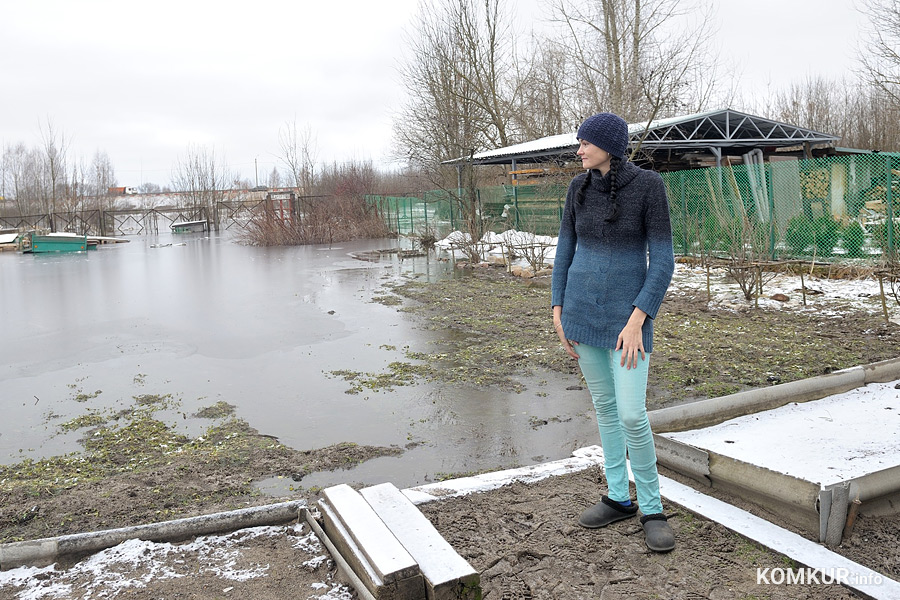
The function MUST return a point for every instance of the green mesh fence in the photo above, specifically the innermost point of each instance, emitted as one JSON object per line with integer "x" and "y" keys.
{"x": 824, "y": 209}
{"x": 535, "y": 208}
{"x": 829, "y": 208}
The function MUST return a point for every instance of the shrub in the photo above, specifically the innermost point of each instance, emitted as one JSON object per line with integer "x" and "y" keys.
{"x": 799, "y": 235}
{"x": 317, "y": 221}
{"x": 826, "y": 232}
{"x": 427, "y": 240}
{"x": 854, "y": 236}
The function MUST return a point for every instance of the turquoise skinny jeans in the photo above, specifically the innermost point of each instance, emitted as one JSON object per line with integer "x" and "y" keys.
{"x": 620, "y": 401}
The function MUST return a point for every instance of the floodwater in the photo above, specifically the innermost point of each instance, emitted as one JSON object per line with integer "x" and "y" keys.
{"x": 205, "y": 319}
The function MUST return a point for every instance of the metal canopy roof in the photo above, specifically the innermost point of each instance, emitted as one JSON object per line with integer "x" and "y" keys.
{"x": 723, "y": 128}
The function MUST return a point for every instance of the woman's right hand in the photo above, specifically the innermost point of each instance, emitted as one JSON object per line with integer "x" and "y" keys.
{"x": 567, "y": 345}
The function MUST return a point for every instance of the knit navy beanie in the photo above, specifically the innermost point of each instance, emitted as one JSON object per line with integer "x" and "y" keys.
{"x": 606, "y": 131}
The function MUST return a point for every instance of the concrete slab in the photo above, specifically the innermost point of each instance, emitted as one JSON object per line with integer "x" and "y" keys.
{"x": 825, "y": 441}
{"x": 383, "y": 565}
{"x": 448, "y": 576}
{"x": 806, "y": 461}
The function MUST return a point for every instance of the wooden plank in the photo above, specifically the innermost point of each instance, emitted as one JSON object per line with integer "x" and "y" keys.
{"x": 364, "y": 541}
{"x": 448, "y": 576}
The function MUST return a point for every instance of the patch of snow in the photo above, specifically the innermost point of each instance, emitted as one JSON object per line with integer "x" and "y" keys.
{"x": 581, "y": 459}
{"x": 309, "y": 543}
{"x": 34, "y": 583}
{"x": 316, "y": 561}
{"x": 336, "y": 592}
{"x": 825, "y": 441}
{"x": 824, "y": 296}
{"x": 134, "y": 563}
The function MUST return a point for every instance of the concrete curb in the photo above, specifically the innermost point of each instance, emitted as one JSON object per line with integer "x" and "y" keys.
{"x": 713, "y": 411}
{"x": 47, "y": 550}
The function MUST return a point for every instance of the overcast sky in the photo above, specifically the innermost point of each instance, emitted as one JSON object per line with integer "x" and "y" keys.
{"x": 143, "y": 80}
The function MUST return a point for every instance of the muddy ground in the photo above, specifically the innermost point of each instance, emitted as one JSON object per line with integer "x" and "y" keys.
{"x": 134, "y": 469}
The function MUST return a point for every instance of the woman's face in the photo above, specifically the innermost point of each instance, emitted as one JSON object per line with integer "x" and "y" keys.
{"x": 593, "y": 157}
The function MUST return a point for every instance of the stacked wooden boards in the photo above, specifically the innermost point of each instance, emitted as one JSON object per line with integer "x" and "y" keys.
{"x": 390, "y": 547}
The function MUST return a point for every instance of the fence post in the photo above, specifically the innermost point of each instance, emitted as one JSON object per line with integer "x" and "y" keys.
{"x": 684, "y": 210}
{"x": 392, "y": 212}
{"x": 390, "y": 217}
{"x": 770, "y": 189}
{"x": 382, "y": 211}
{"x": 425, "y": 210}
{"x": 452, "y": 219}
{"x": 889, "y": 212}
{"x": 516, "y": 201}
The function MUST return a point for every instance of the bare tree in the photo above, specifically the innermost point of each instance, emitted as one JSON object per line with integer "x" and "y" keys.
{"x": 45, "y": 179}
{"x": 868, "y": 127}
{"x": 55, "y": 147}
{"x": 464, "y": 87}
{"x": 487, "y": 42}
{"x": 274, "y": 179}
{"x": 816, "y": 102}
{"x": 20, "y": 171}
{"x": 462, "y": 81}
{"x": 339, "y": 213}
{"x": 299, "y": 154}
{"x": 851, "y": 109}
{"x": 76, "y": 189}
{"x": 880, "y": 56}
{"x": 624, "y": 61}
{"x": 545, "y": 105}
{"x": 103, "y": 177}
{"x": 201, "y": 178}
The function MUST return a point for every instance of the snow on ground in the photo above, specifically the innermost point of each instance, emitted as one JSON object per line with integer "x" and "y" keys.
{"x": 823, "y": 296}
{"x": 134, "y": 563}
{"x": 825, "y": 441}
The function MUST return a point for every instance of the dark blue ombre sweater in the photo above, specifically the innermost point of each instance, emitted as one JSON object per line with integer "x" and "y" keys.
{"x": 604, "y": 269}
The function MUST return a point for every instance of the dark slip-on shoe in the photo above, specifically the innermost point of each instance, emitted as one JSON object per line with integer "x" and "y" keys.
{"x": 658, "y": 532}
{"x": 605, "y": 512}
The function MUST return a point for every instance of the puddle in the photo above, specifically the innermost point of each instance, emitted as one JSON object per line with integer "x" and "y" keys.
{"x": 209, "y": 320}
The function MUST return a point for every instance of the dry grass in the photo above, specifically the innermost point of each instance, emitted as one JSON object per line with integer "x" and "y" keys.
{"x": 321, "y": 220}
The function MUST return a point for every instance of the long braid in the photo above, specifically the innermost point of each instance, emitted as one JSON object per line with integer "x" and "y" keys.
{"x": 613, "y": 188}
{"x": 579, "y": 196}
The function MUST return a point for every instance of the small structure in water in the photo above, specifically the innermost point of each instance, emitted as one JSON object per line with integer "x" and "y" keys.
{"x": 190, "y": 226}
{"x": 35, "y": 243}
{"x": 9, "y": 240}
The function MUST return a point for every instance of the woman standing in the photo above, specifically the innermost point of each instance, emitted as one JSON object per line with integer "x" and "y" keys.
{"x": 614, "y": 262}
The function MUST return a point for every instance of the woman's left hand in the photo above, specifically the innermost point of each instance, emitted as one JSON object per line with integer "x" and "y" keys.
{"x": 631, "y": 340}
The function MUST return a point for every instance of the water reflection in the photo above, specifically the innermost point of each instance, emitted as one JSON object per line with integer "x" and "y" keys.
{"x": 205, "y": 319}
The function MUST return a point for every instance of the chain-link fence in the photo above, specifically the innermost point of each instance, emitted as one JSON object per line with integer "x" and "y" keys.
{"x": 823, "y": 209}
{"x": 829, "y": 208}
{"x": 533, "y": 207}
